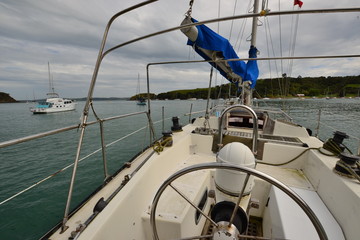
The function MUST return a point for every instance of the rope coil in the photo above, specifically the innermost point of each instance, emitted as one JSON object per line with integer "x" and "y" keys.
{"x": 160, "y": 145}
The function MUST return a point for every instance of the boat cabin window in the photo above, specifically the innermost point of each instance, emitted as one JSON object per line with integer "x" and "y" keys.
{"x": 201, "y": 206}
{"x": 244, "y": 120}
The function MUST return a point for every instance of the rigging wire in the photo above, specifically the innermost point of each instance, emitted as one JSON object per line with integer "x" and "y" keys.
{"x": 268, "y": 52}
{"x": 267, "y": 27}
{"x": 281, "y": 62}
{"x": 284, "y": 81}
{"x": 188, "y": 14}
{"x": 232, "y": 21}
{"x": 242, "y": 29}
{"x": 218, "y": 23}
{"x": 216, "y": 73}
{"x": 240, "y": 37}
{"x": 292, "y": 43}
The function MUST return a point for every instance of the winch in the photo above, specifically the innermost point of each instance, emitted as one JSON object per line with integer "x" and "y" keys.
{"x": 348, "y": 166}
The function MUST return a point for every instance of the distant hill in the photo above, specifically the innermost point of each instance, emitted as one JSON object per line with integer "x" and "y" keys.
{"x": 6, "y": 98}
{"x": 142, "y": 95}
{"x": 348, "y": 86}
{"x": 102, "y": 98}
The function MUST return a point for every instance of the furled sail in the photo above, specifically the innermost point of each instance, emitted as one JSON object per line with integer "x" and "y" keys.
{"x": 211, "y": 46}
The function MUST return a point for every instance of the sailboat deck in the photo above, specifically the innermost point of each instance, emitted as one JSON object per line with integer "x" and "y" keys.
{"x": 289, "y": 176}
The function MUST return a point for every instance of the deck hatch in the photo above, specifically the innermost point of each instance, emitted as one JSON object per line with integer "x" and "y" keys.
{"x": 238, "y": 134}
{"x": 263, "y": 136}
{"x": 281, "y": 138}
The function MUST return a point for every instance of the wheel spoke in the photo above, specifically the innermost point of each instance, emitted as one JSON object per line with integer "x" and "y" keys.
{"x": 259, "y": 238}
{"x": 196, "y": 237}
{"x": 192, "y": 204}
{"x": 288, "y": 191}
{"x": 239, "y": 199}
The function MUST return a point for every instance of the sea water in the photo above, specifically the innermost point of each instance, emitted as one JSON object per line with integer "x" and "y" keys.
{"x": 33, "y": 213}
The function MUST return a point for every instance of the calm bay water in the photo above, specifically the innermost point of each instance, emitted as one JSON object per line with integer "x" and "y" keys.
{"x": 33, "y": 213}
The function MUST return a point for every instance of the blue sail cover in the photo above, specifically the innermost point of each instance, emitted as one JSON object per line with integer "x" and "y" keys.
{"x": 210, "y": 40}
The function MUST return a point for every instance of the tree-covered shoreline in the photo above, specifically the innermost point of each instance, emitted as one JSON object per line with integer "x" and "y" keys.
{"x": 273, "y": 88}
{"x": 6, "y": 98}
{"x": 283, "y": 87}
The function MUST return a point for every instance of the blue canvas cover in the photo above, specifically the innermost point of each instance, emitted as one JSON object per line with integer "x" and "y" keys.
{"x": 210, "y": 40}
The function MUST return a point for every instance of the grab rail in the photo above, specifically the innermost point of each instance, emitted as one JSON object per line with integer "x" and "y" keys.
{"x": 60, "y": 130}
{"x": 17, "y": 141}
{"x": 255, "y": 125}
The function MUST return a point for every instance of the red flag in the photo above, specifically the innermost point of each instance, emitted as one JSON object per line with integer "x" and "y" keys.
{"x": 298, "y": 2}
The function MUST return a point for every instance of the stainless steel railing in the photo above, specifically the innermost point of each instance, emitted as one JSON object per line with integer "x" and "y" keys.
{"x": 60, "y": 130}
{"x": 65, "y": 129}
{"x": 255, "y": 124}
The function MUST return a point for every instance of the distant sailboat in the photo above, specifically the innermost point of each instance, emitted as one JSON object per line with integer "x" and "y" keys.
{"x": 140, "y": 100}
{"x": 53, "y": 102}
{"x": 327, "y": 94}
{"x": 358, "y": 95}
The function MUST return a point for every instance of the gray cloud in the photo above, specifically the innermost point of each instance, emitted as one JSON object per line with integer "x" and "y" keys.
{"x": 68, "y": 35}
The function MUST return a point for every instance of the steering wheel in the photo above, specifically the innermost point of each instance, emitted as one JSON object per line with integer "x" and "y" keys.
{"x": 249, "y": 171}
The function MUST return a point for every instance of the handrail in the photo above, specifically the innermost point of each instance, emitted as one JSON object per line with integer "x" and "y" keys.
{"x": 60, "y": 130}
{"x": 83, "y": 158}
{"x": 278, "y": 111}
{"x": 85, "y": 113}
{"x": 190, "y": 113}
{"x": 255, "y": 125}
{"x": 244, "y": 16}
{"x": 35, "y": 136}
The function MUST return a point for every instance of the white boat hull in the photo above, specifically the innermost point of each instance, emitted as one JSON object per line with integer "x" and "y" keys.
{"x": 54, "y": 105}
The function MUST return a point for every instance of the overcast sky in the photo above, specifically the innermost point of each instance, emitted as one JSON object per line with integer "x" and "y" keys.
{"x": 68, "y": 34}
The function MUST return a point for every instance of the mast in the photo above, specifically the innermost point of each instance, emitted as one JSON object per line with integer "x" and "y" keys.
{"x": 246, "y": 90}
{"x": 51, "y": 92}
{"x": 49, "y": 77}
{"x": 138, "y": 87}
{"x": 254, "y": 24}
